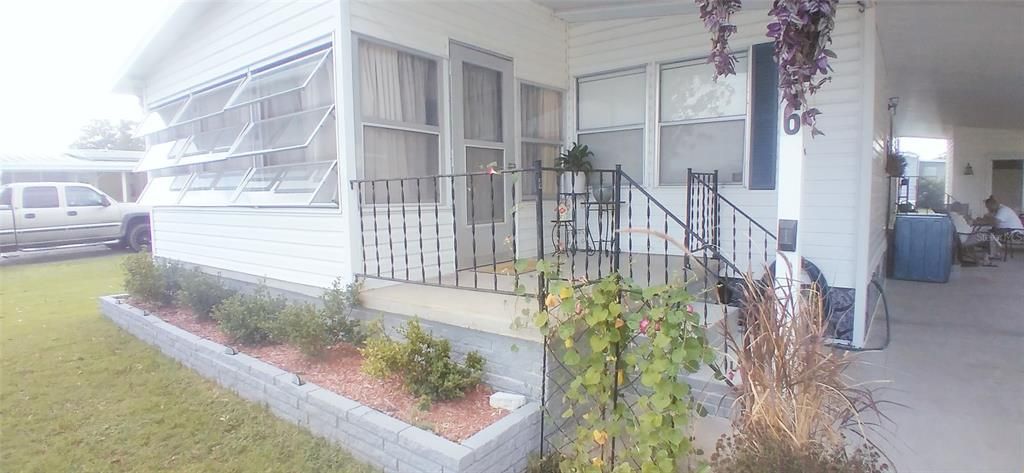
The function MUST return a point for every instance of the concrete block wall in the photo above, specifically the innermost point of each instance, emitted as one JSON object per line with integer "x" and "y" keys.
{"x": 371, "y": 436}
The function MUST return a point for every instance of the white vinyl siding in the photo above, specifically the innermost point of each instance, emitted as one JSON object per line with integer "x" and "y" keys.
{"x": 828, "y": 227}
{"x": 230, "y": 36}
{"x": 306, "y": 247}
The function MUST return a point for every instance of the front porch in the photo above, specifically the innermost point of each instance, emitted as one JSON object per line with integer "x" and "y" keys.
{"x": 955, "y": 362}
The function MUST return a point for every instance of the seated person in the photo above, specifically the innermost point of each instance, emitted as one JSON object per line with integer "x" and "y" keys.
{"x": 1002, "y": 218}
{"x": 975, "y": 246}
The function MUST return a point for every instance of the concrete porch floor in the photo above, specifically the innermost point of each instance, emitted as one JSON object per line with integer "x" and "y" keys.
{"x": 956, "y": 361}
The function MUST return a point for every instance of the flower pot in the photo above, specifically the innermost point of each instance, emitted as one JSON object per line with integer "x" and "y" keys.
{"x": 603, "y": 194}
{"x": 574, "y": 182}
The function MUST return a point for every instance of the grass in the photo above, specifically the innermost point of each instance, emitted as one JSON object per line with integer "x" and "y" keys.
{"x": 78, "y": 394}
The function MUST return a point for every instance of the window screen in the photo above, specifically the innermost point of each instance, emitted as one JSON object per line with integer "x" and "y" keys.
{"x": 40, "y": 198}
{"x": 611, "y": 120}
{"x": 82, "y": 197}
{"x": 703, "y": 122}
{"x": 612, "y": 100}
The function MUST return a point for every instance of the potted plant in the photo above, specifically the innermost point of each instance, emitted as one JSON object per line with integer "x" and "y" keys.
{"x": 574, "y": 164}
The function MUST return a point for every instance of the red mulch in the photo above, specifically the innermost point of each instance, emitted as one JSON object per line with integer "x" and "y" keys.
{"x": 339, "y": 369}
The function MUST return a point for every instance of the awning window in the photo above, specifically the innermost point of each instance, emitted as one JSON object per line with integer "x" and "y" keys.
{"x": 290, "y": 184}
{"x": 288, "y": 77}
{"x": 162, "y": 155}
{"x": 164, "y": 190}
{"x": 210, "y": 146}
{"x": 213, "y": 188}
{"x": 282, "y": 133}
{"x": 160, "y": 118}
{"x": 207, "y": 103}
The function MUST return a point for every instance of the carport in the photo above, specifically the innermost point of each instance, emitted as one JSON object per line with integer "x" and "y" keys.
{"x": 956, "y": 348}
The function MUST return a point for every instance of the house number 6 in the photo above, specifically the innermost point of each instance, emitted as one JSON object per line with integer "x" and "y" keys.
{"x": 792, "y": 125}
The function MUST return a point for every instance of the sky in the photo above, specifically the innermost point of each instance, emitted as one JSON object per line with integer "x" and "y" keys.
{"x": 61, "y": 59}
{"x": 927, "y": 149}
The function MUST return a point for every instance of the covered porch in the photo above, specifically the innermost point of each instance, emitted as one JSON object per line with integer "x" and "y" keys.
{"x": 954, "y": 362}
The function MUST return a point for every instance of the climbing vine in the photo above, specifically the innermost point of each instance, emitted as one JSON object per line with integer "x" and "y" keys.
{"x": 624, "y": 349}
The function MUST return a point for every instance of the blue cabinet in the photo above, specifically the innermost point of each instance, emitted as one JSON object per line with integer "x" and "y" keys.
{"x": 923, "y": 248}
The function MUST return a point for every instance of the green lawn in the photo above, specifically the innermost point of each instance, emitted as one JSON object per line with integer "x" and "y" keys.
{"x": 78, "y": 394}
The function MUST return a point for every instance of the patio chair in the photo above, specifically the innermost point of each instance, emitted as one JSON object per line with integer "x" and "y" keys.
{"x": 1010, "y": 241}
{"x": 971, "y": 240}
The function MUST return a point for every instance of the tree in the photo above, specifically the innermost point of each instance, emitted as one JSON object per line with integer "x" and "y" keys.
{"x": 104, "y": 134}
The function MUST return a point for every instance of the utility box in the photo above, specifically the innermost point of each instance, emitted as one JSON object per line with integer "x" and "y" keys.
{"x": 922, "y": 248}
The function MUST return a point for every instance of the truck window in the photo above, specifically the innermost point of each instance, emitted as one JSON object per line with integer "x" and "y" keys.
{"x": 82, "y": 197}
{"x": 5, "y": 196}
{"x": 39, "y": 198}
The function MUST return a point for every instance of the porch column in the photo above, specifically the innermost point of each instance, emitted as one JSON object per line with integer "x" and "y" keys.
{"x": 789, "y": 196}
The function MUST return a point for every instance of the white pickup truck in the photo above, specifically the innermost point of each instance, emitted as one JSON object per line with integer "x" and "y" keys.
{"x": 46, "y": 215}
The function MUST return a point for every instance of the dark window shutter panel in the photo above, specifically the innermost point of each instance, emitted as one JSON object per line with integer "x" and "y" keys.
{"x": 764, "y": 118}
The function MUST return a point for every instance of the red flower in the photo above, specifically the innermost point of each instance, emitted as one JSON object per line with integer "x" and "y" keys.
{"x": 643, "y": 325}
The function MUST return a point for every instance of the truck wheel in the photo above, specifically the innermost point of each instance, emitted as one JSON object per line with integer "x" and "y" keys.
{"x": 139, "y": 237}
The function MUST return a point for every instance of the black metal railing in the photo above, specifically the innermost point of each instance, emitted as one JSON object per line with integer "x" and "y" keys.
{"x": 733, "y": 233}
{"x": 486, "y": 230}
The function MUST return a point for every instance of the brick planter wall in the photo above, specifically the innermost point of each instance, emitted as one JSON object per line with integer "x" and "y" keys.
{"x": 371, "y": 436}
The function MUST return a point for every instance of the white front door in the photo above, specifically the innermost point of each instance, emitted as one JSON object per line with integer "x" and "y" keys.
{"x": 482, "y": 137}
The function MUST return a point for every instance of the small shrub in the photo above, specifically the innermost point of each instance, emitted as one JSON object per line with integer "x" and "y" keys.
{"x": 382, "y": 356}
{"x": 250, "y": 319}
{"x": 201, "y": 292}
{"x": 305, "y": 326}
{"x": 423, "y": 362}
{"x": 739, "y": 454}
{"x": 144, "y": 279}
{"x": 338, "y": 302}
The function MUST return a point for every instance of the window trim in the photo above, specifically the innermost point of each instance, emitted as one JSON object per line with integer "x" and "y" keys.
{"x": 440, "y": 130}
{"x": 746, "y": 53}
{"x": 249, "y": 76}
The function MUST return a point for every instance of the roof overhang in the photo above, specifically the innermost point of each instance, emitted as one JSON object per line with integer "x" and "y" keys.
{"x": 72, "y": 160}
{"x": 179, "y": 16}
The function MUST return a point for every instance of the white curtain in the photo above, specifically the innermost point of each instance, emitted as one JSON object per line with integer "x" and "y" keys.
{"x": 541, "y": 120}
{"x": 398, "y": 88}
{"x": 541, "y": 113}
{"x": 481, "y": 89}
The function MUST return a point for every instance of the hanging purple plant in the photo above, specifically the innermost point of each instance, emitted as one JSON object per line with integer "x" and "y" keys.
{"x": 716, "y": 15}
{"x": 802, "y": 30}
